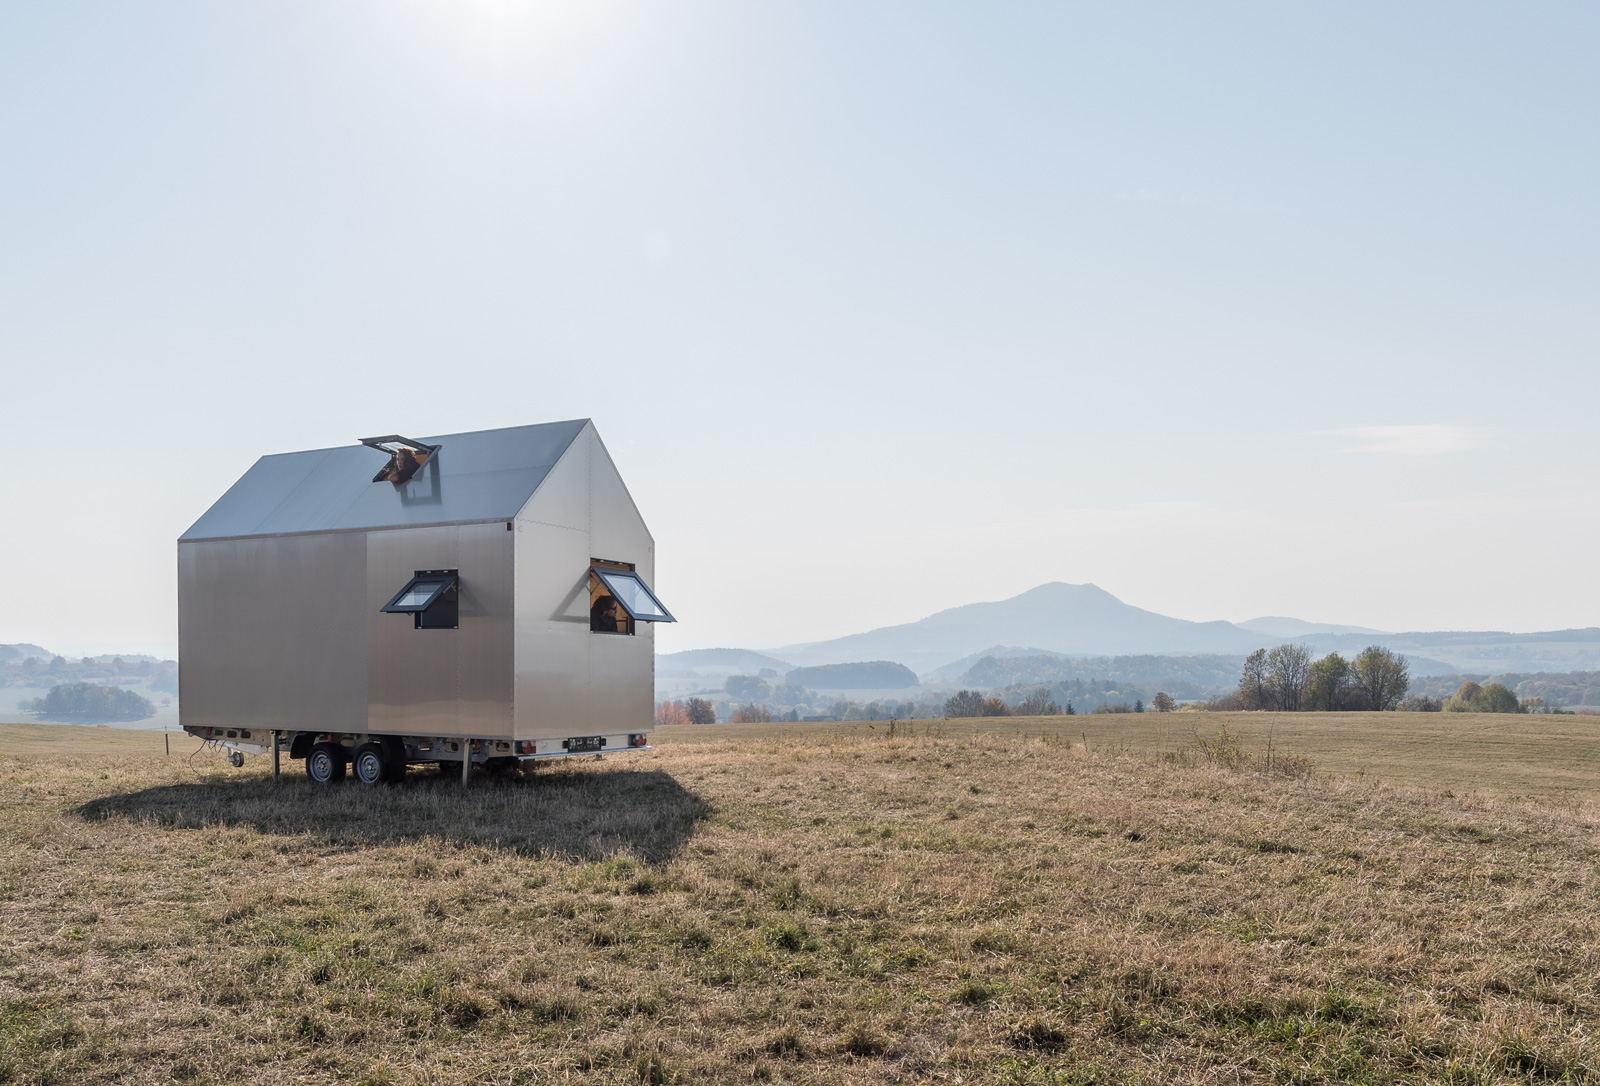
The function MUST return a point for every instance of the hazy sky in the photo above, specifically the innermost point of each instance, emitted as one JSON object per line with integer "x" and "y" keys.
{"x": 881, "y": 308}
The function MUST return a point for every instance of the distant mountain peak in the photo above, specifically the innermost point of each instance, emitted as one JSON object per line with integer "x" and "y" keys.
{"x": 1058, "y": 617}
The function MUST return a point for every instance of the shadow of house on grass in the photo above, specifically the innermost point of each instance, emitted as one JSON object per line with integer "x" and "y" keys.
{"x": 576, "y": 814}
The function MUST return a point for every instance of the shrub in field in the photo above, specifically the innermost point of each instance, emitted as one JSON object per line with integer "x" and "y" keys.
{"x": 1222, "y": 749}
{"x": 994, "y": 707}
{"x": 1472, "y": 698}
{"x": 1225, "y": 751}
{"x": 752, "y": 714}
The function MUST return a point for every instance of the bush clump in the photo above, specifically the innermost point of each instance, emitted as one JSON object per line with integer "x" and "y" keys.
{"x": 89, "y": 701}
{"x": 1472, "y": 698}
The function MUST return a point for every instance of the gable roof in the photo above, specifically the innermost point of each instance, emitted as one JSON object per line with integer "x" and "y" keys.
{"x": 474, "y": 477}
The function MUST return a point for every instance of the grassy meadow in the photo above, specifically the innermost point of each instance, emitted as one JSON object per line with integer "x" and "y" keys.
{"x": 963, "y": 902}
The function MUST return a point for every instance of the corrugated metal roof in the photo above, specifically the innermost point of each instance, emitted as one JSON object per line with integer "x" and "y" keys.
{"x": 485, "y": 475}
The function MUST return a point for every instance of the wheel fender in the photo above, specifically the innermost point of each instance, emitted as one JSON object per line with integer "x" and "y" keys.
{"x": 300, "y": 745}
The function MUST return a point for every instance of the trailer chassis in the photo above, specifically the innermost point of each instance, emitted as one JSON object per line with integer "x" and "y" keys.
{"x": 381, "y": 758}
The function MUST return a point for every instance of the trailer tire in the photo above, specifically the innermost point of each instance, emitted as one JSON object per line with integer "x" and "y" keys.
{"x": 371, "y": 768}
{"x": 325, "y": 763}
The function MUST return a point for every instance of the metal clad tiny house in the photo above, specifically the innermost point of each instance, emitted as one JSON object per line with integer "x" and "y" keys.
{"x": 488, "y": 587}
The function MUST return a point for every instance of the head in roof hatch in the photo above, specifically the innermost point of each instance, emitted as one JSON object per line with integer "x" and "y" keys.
{"x": 405, "y": 465}
{"x": 605, "y": 616}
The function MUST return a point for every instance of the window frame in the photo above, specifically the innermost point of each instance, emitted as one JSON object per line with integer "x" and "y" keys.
{"x": 605, "y": 572}
{"x": 449, "y": 582}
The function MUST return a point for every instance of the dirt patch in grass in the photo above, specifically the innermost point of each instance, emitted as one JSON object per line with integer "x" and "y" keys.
{"x": 809, "y": 908}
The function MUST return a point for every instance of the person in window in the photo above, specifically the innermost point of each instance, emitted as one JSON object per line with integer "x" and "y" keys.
{"x": 404, "y": 466}
{"x": 605, "y": 616}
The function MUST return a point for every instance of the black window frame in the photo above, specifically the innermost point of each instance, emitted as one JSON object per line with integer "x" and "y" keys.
{"x": 440, "y": 611}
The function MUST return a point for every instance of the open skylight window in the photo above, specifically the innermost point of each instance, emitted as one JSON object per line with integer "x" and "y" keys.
{"x": 633, "y": 594}
{"x": 405, "y": 457}
{"x": 431, "y": 598}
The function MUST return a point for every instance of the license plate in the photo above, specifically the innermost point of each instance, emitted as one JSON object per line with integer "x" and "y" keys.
{"x": 587, "y": 742}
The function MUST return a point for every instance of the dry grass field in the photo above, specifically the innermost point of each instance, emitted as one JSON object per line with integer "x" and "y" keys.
{"x": 970, "y": 903}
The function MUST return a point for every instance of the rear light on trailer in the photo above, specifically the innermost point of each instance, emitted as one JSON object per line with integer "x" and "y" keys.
{"x": 636, "y": 740}
{"x": 526, "y": 747}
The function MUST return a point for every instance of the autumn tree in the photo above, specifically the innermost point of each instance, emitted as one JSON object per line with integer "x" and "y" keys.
{"x": 700, "y": 711}
{"x": 1329, "y": 685}
{"x": 1038, "y": 703}
{"x": 671, "y": 712}
{"x": 1162, "y": 702}
{"x": 1382, "y": 677}
{"x": 1253, "y": 691}
{"x": 964, "y": 703}
{"x": 1288, "y": 668}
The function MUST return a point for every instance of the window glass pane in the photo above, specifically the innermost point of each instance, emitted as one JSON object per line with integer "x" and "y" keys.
{"x": 421, "y": 593}
{"x": 633, "y": 594}
{"x": 418, "y": 595}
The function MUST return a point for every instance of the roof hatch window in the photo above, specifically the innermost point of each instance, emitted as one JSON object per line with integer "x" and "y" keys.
{"x": 405, "y": 457}
{"x": 431, "y": 599}
{"x": 618, "y": 598}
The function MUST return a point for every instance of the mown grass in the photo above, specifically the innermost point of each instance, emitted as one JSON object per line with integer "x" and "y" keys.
{"x": 973, "y": 908}
{"x": 1534, "y": 755}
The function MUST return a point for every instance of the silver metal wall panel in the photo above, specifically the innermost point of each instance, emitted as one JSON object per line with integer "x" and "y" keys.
{"x": 272, "y": 633}
{"x": 570, "y": 681}
{"x": 552, "y": 631}
{"x": 621, "y": 669}
{"x": 442, "y": 682}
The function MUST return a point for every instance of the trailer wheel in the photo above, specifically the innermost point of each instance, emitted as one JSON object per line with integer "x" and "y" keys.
{"x": 236, "y": 758}
{"x": 325, "y": 763}
{"x": 370, "y": 765}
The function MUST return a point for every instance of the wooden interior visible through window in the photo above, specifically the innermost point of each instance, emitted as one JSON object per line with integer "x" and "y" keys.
{"x": 597, "y": 588}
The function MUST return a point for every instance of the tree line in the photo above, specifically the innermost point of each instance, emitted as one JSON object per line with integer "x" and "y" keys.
{"x": 86, "y": 701}
{"x": 1288, "y": 680}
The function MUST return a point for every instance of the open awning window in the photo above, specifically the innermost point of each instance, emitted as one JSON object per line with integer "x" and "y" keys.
{"x": 421, "y": 593}
{"x": 634, "y": 595}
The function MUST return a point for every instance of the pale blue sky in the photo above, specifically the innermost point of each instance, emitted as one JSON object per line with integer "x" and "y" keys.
{"x": 881, "y": 308}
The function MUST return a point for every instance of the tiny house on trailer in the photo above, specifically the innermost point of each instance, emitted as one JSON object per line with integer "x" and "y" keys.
{"x": 482, "y": 598}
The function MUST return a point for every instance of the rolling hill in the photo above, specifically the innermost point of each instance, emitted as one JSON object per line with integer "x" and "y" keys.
{"x": 1073, "y": 619}
{"x": 1080, "y": 620}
